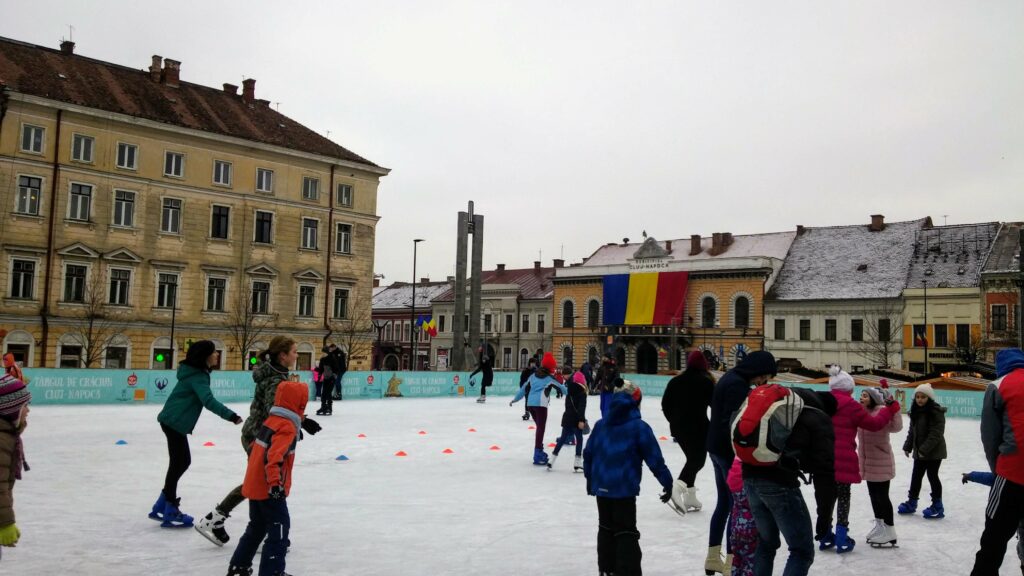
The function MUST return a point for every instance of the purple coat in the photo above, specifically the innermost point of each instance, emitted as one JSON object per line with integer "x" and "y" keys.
{"x": 850, "y": 416}
{"x": 875, "y": 449}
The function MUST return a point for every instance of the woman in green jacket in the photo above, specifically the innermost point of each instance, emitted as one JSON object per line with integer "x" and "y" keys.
{"x": 178, "y": 419}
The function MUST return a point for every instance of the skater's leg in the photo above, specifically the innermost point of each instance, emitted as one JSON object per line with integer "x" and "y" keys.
{"x": 825, "y": 501}
{"x": 1002, "y": 519}
{"x": 605, "y": 536}
{"x": 250, "y": 541}
{"x": 540, "y": 418}
{"x": 278, "y": 524}
{"x": 696, "y": 456}
{"x": 326, "y": 395}
{"x": 768, "y": 541}
{"x": 627, "y": 539}
{"x": 231, "y": 501}
{"x": 916, "y": 476}
{"x": 563, "y": 439}
{"x": 179, "y": 459}
{"x": 881, "y": 505}
{"x": 932, "y": 468}
{"x": 579, "y": 441}
{"x": 723, "y": 505}
{"x": 842, "y": 504}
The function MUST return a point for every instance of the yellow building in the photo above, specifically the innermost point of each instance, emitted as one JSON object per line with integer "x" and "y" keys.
{"x": 134, "y": 202}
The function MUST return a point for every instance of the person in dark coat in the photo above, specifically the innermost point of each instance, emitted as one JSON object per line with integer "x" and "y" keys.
{"x": 729, "y": 393}
{"x": 574, "y": 420}
{"x": 588, "y": 374}
{"x": 342, "y": 363}
{"x": 685, "y": 405}
{"x": 926, "y": 442}
{"x": 607, "y": 374}
{"x": 330, "y": 370}
{"x": 524, "y": 377}
{"x": 485, "y": 366}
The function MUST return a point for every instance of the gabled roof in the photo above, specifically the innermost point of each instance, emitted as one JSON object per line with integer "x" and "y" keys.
{"x": 847, "y": 262}
{"x": 771, "y": 245}
{"x": 1005, "y": 254}
{"x": 534, "y": 283}
{"x": 398, "y": 296}
{"x": 52, "y": 74}
{"x": 951, "y": 256}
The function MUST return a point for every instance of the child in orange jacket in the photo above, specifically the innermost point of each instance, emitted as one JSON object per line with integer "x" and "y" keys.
{"x": 268, "y": 479}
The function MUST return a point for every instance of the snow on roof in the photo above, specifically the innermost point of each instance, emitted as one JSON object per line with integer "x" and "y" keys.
{"x": 399, "y": 295}
{"x": 1005, "y": 256}
{"x": 771, "y": 245}
{"x": 951, "y": 256}
{"x": 533, "y": 283}
{"x": 847, "y": 262}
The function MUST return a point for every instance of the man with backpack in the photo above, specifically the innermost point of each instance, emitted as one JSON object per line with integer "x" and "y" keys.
{"x": 799, "y": 439}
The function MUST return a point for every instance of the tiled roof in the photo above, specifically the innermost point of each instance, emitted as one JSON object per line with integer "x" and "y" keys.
{"x": 772, "y": 245}
{"x": 1005, "y": 255}
{"x": 951, "y": 256}
{"x": 54, "y": 75}
{"x": 534, "y": 283}
{"x": 398, "y": 296}
{"x": 847, "y": 262}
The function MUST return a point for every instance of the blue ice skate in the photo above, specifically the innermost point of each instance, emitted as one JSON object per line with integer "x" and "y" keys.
{"x": 844, "y": 543}
{"x": 173, "y": 517}
{"x": 157, "y": 513}
{"x": 826, "y": 542}
{"x": 908, "y": 507}
{"x": 935, "y": 511}
{"x": 539, "y": 457}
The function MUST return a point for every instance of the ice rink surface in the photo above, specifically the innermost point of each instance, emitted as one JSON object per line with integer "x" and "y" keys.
{"x": 476, "y": 512}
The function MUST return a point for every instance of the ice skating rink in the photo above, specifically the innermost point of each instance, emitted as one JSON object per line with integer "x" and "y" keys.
{"x": 477, "y": 511}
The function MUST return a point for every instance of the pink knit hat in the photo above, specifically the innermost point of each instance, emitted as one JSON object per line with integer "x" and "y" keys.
{"x": 13, "y": 395}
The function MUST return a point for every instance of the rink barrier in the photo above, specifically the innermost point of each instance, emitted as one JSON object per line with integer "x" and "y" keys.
{"x": 101, "y": 386}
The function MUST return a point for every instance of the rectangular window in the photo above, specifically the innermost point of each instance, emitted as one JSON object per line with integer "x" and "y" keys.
{"x": 805, "y": 329}
{"x": 999, "y": 317}
{"x": 310, "y": 234}
{"x": 345, "y": 195}
{"x": 222, "y": 172}
{"x": 80, "y": 202}
{"x": 215, "y": 289}
{"x": 963, "y": 335}
{"x": 307, "y": 296}
{"x": 506, "y": 357}
{"x": 310, "y": 188}
{"x": 857, "y": 330}
{"x": 74, "y": 283}
{"x": 170, "y": 218}
{"x": 263, "y": 233}
{"x": 32, "y": 139}
{"x": 440, "y": 323}
{"x": 1016, "y": 317}
{"x": 487, "y": 322}
{"x": 30, "y": 190}
{"x": 120, "y": 281}
{"x": 526, "y": 323}
{"x": 941, "y": 336}
{"x": 127, "y": 155}
{"x": 264, "y": 180}
{"x": 124, "y": 208}
{"x": 81, "y": 148}
{"x": 830, "y": 329}
{"x": 70, "y": 356}
{"x": 167, "y": 291}
{"x": 261, "y": 297}
{"x": 780, "y": 328}
{"x": 219, "y": 221}
{"x": 540, "y": 323}
{"x": 884, "y": 329}
{"x": 174, "y": 164}
{"x": 23, "y": 275}
{"x": 508, "y": 322}
{"x": 341, "y": 304}
{"x": 343, "y": 240}
{"x": 115, "y": 357}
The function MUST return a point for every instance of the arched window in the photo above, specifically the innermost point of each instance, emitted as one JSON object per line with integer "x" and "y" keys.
{"x": 524, "y": 358}
{"x": 567, "y": 359}
{"x": 708, "y": 312}
{"x": 568, "y": 314}
{"x": 742, "y": 312}
{"x": 593, "y": 314}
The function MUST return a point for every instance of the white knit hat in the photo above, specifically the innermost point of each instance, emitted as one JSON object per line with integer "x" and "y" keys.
{"x": 839, "y": 380}
{"x": 927, "y": 390}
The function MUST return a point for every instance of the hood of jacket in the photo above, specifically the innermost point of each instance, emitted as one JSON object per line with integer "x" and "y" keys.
{"x": 1008, "y": 360}
{"x": 823, "y": 401}
{"x": 930, "y": 406}
{"x": 292, "y": 396}
{"x": 185, "y": 371}
{"x": 757, "y": 363}
{"x": 267, "y": 369}
{"x": 622, "y": 409}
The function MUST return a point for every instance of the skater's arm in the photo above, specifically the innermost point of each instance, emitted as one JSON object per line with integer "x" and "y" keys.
{"x": 651, "y": 453}
{"x": 280, "y": 444}
{"x": 205, "y": 395}
{"x": 908, "y": 444}
{"x": 878, "y": 421}
{"x": 986, "y": 478}
{"x": 995, "y": 427}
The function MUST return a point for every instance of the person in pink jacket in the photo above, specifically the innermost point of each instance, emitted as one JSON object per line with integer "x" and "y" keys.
{"x": 877, "y": 464}
{"x": 742, "y": 530}
{"x": 850, "y": 416}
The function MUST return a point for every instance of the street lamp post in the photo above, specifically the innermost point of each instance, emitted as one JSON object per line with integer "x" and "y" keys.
{"x": 174, "y": 309}
{"x": 925, "y": 335}
{"x": 412, "y": 310}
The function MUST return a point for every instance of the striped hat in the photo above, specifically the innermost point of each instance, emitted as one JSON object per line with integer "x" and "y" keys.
{"x": 13, "y": 395}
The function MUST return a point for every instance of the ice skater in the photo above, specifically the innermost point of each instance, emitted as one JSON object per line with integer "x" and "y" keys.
{"x": 685, "y": 405}
{"x": 14, "y": 400}
{"x": 742, "y": 531}
{"x": 268, "y": 480}
{"x": 574, "y": 420}
{"x": 524, "y": 377}
{"x": 537, "y": 402}
{"x": 878, "y": 465}
{"x": 178, "y": 418}
{"x": 485, "y": 365}
{"x": 926, "y": 442}
{"x": 607, "y": 375}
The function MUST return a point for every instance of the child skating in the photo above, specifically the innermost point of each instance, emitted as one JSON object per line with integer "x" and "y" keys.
{"x": 537, "y": 402}
{"x": 742, "y": 530}
{"x": 926, "y": 442}
{"x": 574, "y": 420}
{"x": 14, "y": 399}
{"x": 878, "y": 465}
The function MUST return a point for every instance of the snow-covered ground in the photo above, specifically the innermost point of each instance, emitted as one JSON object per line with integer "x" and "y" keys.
{"x": 82, "y": 508}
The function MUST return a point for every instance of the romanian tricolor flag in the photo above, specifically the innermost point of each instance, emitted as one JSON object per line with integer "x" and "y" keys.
{"x": 645, "y": 299}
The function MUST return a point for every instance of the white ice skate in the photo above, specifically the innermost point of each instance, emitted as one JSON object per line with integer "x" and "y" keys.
{"x": 577, "y": 464}
{"x": 690, "y": 501}
{"x": 875, "y": 530}
{"x": 675, "y": 501}
{"x": 481, "y": 400}
{"x": 885, "y": 539}
{"x": 551, "y": 461}
{"x": 211, "y": 527}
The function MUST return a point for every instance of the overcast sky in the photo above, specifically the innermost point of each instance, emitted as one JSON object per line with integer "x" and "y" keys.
{"x": 573, "y": 124}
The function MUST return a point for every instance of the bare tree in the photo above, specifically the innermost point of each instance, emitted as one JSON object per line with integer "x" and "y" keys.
{"x": 882, "y": 333}
{"x": 973, "y": 350}
{"x": 245, "y": 325}
{"x": 354, "y": 332}
{"x": 95, "y": 323}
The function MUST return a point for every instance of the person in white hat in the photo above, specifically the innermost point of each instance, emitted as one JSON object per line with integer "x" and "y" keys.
{"x": 926, "y": 442}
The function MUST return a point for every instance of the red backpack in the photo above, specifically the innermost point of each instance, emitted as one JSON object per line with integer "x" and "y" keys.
{"x": 763, "y": 424}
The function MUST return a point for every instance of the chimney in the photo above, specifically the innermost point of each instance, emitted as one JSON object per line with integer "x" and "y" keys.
{"x": 424, "y": 280}
{"x": 536, "y": 264}
{"x": 800, "y": 229}
{"x": 668, "y": 246}
{"x": 726, "y": 239}
{"x": 501, "y": 267}
{"x": 67, "y": 47}
{"x": 877, "y": 223}
{"x": 559, "y": 263}
{"x": 450, "y": 279}
{"x": 230, "y": 89}
{"x": 716, "y": 244}
{"x": 248, "y": 90}
{"x": 376, "y": 282}
{"x": 172, "y": 69}
{"x": 154, "y": 68}
{"x": 694, "y": 244}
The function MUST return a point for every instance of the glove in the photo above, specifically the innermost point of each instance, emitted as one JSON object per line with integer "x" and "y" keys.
{"x": 276, "y": 493}
{"x": 965, "y": 478}
{"x": 906, "y": 453}
{"x": 894, "y": 406}
{"x": 236, "y": 419}
{"x": 511, "y": 402}
{"x": 886, "y": 396}
{"x": 310, "y": 426}
{"x": 9, "y": 535}
{"x": 666, "y": 495}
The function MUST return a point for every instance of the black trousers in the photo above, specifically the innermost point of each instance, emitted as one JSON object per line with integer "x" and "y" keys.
{"x": 327, "y": 395}
{"x": 922, "y": 467}
{"x": 179, "y": 459}
{"x": 696, "y": 456}
{"x": 1003, "y": 516}
{"x": 881, "y": 505}
{"x": 618, "y": 541}
{"x": 268, "y": 519}
{"x": 825, "y": 501}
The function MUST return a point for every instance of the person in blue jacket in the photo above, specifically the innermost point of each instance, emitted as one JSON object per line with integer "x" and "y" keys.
{"x": 612, "y": 463}
{"x": 538, "y": 387}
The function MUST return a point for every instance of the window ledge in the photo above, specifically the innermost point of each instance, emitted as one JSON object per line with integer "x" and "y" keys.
{"x": 310, "y": 250}
{"x": 118, "y": 307}
{"x": 84, "y": 162}
{"x": 128, "y": 168}
{"x": 264, "y": 245}
{"x": 83, "y": 223}
{"x": 305, "y": 319}
{"x": 23, "y": 302}
{"x": 32, "y": 152}
{"x": 161, "y": 310}
{"x": 337, "y": 253}
{"x": 123, "y": 229}
{"x": 215, "y": 240}
{"x": 215, "y": 313}
{"x": 222, "y": 185}
{"x": 265, "y": 192}
{"x": 17, "y": 215}
{"x": 175, "y": 235}
{"x": 175, "y": 176}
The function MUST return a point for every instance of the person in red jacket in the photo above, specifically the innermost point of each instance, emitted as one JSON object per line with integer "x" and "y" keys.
{"x": 268, "y": 480}
{"x": 1002, "y": 431}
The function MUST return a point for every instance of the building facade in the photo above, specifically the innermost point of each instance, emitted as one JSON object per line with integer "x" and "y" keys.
{"x": 142, "y": 212}
{"x": 394, "y": 319}
{"x": 1000, "y": 286}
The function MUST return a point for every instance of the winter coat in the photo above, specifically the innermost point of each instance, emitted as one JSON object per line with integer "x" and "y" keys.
{"x": 192, "y": 392}
{"x": 487, "y": 367}
{"x": 1002, "y": 417}
{"x": 606, "y": 375}
{"x": 728, "y": 396}
{"x": 811, "y": 444}
{"x": 926, "y": 436}
{"x": 535, "y": 386}
{"x": 851, "y": 415}
{"x": 266, "y": 376}
{"x": 618, "y": 446}
{"x": 9, "y": 446}
{"x": 685, "y": 405}
{"x": 588, "y": 374}
{"x": 575, "y": 405}
{"x": 273, "y": 452}
{"x": 525, "y": 375}
{"x": 735, "y": 476}
{"x": 877, "y": 463}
